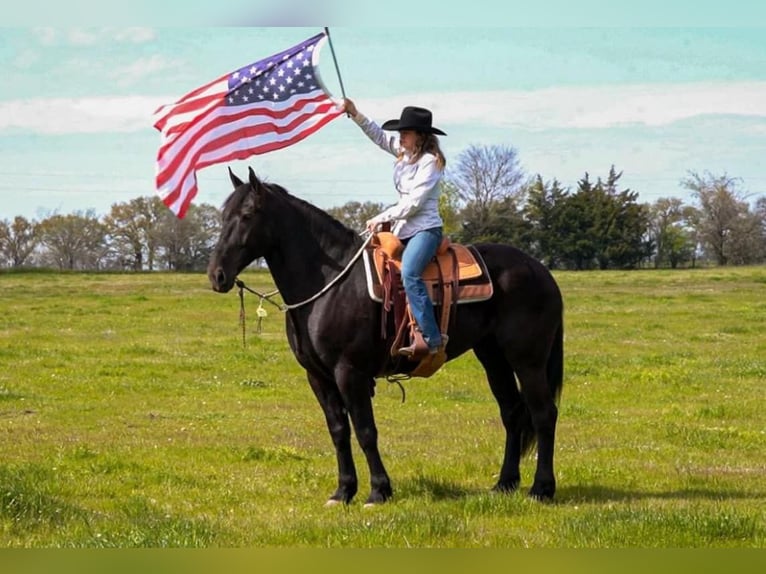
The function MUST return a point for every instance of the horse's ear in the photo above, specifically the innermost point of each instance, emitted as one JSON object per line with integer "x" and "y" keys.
{"x": 255, "y": 183}
{"x": 235, "y": 181}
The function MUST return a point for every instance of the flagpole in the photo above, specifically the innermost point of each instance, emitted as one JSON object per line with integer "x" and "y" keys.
{"x": 337, "y": 69}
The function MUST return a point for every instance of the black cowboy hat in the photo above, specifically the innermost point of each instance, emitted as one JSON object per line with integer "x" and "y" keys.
{"x": 413, "y": 118}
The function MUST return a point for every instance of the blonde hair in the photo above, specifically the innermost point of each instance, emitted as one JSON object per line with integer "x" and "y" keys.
{"x": 427, "y": 143}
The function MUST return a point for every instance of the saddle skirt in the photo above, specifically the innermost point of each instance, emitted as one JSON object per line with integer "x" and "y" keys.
{"x": 454, "y": 263}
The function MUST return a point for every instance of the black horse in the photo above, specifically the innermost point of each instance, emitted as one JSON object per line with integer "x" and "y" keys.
{"x": 335, "y": 332}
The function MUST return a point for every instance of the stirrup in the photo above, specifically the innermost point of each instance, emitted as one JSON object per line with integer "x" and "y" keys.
{"x": 416, "y": 350}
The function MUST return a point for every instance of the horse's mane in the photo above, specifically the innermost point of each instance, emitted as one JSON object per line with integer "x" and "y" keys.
{"x": 315, "y": 214}
{"x": 318, "y": 219}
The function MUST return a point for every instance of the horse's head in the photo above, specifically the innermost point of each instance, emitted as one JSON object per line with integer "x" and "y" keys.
{"x": 244, "y": 232}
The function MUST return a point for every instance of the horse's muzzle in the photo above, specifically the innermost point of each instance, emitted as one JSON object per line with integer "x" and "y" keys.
{"x": 219, "y": 281}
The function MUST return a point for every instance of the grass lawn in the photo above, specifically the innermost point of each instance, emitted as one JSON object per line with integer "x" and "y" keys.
{"x": 131, "y": 415}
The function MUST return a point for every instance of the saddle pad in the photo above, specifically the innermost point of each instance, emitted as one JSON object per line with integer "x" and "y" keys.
{"x": 467, "y": 263}
{"x": 474, "y": 284}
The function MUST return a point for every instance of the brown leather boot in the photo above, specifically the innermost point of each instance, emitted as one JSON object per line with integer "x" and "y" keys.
{"x": 434, "y": 350}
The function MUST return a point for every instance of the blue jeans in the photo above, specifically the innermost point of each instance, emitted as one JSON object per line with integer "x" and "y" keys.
{"x": 418, "y": 252}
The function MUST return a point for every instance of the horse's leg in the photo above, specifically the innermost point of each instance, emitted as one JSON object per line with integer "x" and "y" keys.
{"x": 502, "y": 383}
{"x": 542, "y": 407}
{"x": 355, "y": 388}
{"x": 337, "y": 423}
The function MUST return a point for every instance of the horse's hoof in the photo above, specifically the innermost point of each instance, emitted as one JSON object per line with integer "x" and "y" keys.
{"x": 377, "y": 499}
{"x": 506, "y": 487}
{"x": 542, "y": 493}
{"x": 332, "y": 502}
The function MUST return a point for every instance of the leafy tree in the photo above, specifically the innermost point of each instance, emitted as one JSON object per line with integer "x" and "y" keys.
{"x": 75, "y": 241}
{"x": 502, "y": 222}
{"x": 354, "y": 214}
{"x": 18, "y": 239}
{"x": 664, "y": 215}
{"x": 449, "y": 208}
{"x": 601, "y": 226}
{"x": 186, "y": 244}
{"x": 577, "y": 230}
{"x": 760, "y": 210}
{"x": 129, "y": 225}
{"x": 543, "y": 211}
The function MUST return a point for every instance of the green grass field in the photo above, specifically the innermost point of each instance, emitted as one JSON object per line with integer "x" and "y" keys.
{"x": 132, "y": 416}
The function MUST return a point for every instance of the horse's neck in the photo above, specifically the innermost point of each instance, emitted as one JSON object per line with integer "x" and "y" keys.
{"x": 306, "y": 257}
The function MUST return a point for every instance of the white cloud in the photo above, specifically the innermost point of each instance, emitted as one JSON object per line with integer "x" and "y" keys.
{"x": 134, "y": 35}
{"x": 92, "y": 36}
{"x": 142, "y": 68}
{"x": 79, "y": 115}
{"x": 555, "y": 108}
{"x": 46, "y": 35}
{"x": 584, "y": 107}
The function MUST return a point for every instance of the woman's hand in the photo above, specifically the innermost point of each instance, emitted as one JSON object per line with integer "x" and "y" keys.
{"x": 349, "y": 107}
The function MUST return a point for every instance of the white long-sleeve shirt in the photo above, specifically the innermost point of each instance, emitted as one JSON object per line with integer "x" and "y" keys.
{"x": 416, "y": 183}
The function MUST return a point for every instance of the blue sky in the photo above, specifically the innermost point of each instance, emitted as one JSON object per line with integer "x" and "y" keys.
{"x": 657, "y": 101}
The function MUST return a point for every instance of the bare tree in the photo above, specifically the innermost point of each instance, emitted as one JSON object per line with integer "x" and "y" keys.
{"x": 485, "y": 175}
{"x": 726, "y": 227}
{"x": 18, "y": 240}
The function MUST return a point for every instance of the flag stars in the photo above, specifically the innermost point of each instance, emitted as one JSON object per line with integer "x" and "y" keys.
{"x": 276, "y": 80}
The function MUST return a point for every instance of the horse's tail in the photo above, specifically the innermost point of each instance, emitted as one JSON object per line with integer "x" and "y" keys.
{"x": 554, "y": 374}
{"x": 554, "y": 370}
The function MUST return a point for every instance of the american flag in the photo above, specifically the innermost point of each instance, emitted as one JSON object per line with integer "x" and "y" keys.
{"x": 262, "y": 107}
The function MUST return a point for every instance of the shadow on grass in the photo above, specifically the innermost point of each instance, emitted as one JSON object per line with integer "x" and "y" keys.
{"x": 434, "y": 488}
{"x": 440, "y": 489}
{"x": 596, "y": 493}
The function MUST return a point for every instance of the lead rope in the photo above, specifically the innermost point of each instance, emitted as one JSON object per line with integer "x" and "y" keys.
{"x": 261, "y": 312}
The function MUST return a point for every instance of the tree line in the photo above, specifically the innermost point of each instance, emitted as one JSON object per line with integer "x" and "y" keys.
{"x": 139, "y": 235}
{"x": 485, "y": 197}
{"x": 596, "y": 225}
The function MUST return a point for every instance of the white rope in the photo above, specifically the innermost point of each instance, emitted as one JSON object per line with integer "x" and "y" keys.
{"x": 334, "y": 281}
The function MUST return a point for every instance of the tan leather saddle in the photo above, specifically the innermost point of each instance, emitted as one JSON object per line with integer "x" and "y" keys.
{"x": 456, "y": 275}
